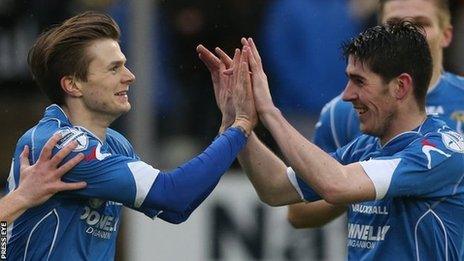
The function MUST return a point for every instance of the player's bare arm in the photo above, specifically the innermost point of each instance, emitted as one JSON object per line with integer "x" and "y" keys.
{"x": 334, "y": 182}
{"x": 313, "y": 214}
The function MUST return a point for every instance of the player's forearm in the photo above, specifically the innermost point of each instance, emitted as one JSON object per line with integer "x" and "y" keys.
{"x": 313, "y": 214}
{"x": 12, "y": 206}
{"x": 179, "y": 217}
{"x": 267, "y": 173}
{"x": 318, "y": 169}
{"x": 184, "y": 188}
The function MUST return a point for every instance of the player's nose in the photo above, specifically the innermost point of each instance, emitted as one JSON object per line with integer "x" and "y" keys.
{"x": 129, "y": 77}
{"x": 349, "y": 93}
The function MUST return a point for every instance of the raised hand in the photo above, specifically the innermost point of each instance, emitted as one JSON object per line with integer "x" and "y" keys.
{"x": 222, "y": 83}
{"x": 262, "y": 95}
{"x": 245, "y": 112}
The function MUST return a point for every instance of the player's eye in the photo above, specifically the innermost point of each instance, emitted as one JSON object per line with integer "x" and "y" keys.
{"x": 114, "y": 69}
{"x": 358, "y": 81}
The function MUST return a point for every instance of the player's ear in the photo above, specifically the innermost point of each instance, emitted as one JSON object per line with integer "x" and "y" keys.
{"x": 403, "y": 86}
{"x": 447, "y": 36}
{"x": 71, "y": 86}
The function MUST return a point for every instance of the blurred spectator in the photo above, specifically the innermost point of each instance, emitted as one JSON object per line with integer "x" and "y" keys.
{"x": 454, "y": 54}
{"x": 301, "y": 40}
{"x": 214, "y": 23}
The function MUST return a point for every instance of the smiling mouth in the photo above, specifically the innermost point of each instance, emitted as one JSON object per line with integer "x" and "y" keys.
{"x": 121, "y": 93}
{"x": 360, "y": 110}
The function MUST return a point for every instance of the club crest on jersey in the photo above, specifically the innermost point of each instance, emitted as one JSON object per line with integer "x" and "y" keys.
{"x": 453, "y": 141}
{"x": 427, "y": 148}
{"x": 68, "y": 135}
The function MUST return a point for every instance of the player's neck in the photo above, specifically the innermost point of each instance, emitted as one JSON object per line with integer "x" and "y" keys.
{"x": 93, "y": 122}
{"x": 436, "y": 74}
{"x": 407, "y": 120}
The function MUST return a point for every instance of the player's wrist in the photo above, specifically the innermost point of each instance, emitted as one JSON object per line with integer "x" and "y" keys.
{"x": 243, "y": 125}
{"x": 225, "y": 124}
{"x": 269, "y": 114}
{"x": 20, "y": 198}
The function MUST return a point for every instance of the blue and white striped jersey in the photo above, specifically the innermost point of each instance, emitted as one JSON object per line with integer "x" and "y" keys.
{"x": 419, "y": 208}
{"x": 339, "y": 124}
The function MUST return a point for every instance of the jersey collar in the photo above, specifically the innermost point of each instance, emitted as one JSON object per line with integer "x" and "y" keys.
{"x": 56, "y": 112}
{"x": 401, "y": 140}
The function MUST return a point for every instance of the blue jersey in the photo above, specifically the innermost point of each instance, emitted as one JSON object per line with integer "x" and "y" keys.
{"x": 339, "y": 123}
{"x": 419, "y": 208}
{"x": 80, "y": 224}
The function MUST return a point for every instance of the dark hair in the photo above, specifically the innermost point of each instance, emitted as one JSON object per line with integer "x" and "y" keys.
{"x": 61, "y": 51}
{"x": 392, "y": 49}
{"x": 444, "y": 13}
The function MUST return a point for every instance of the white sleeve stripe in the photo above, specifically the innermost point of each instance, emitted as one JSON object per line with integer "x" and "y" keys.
{"x": 144, "y": 176}
{"x": 292, "y": 177}
{"x": 381, "y": 173}
{"x": 332, "y": 123}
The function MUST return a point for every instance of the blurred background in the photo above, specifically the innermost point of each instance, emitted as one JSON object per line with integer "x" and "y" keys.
{"x": 174, "y": 114}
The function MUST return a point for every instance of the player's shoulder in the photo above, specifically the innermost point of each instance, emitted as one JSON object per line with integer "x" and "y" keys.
{"x": 116, "y": 137}
{"x": 356, "y": 149}
{"x": 437, "y": 135}
{"x": 113, "y": 134}
{"x": 119, "y": 143}
{"x": 453, "y": 80}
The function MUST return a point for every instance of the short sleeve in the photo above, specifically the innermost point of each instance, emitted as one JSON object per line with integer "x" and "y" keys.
{"x": 432, "y": 166}
{"x": 304, "y": 190}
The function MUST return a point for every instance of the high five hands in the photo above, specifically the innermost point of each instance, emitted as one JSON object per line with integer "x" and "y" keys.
{"x": 240, "y": 85}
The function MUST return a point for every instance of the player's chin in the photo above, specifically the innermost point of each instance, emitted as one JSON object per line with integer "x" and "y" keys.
{"x": 126, "y": 107}
{"x": 122, "y": 108}
{"x": 364, "y": 128}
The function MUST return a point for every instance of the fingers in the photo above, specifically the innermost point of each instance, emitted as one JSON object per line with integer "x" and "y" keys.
{"x": 70, "y": 186}
{"x": 70, "y": 164}
{"x": 24, "y": 159}
{"x": 253, "y": 64}
{"x": 245, "y": 70}
{"x": 254, "y": 51}
{"x": 236, "y": 65}
{"x": 224, "y": 57}
{"x": 60, "y": 155}
{"x": 208, "y": 58}
{"x": 46, "y": 152}
{"x": 240, "y": 76}
{"x": 229, "y": 71}
{"x": 244, "y": 42}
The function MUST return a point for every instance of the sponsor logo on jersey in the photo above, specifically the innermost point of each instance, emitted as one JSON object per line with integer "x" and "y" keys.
{"x": 427, "y": 148}
{"x": 96, "y": 153}
{"x": 98, "y": 224}
{"x": 453, "y": 141}
{"x": 370, "y": 210}
{"x": 68, "y": 135}
{"x": 365, "y": 236}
